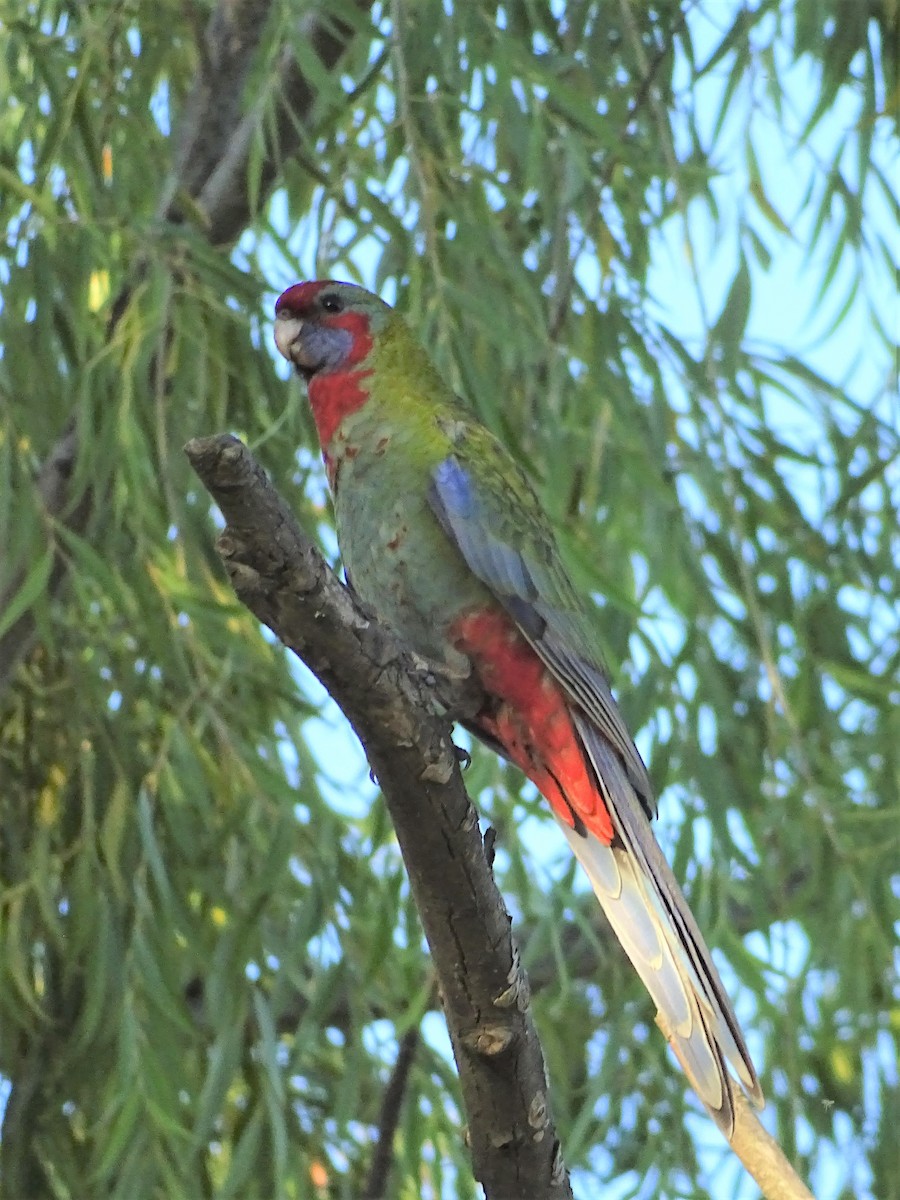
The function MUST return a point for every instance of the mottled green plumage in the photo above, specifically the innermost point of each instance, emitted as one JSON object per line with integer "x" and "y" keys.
{"x": 381, "y": 464}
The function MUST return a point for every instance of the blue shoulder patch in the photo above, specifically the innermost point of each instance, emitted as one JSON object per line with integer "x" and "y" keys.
{"x": 454, "y": 489}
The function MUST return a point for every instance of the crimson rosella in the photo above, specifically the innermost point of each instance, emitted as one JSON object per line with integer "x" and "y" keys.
{"x": 443, "y": 537}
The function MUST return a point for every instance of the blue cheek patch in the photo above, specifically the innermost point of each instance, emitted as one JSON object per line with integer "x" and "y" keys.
{"x": 327, "y": 345}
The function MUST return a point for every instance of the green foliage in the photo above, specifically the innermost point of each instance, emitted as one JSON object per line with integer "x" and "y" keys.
{"x": 208, "y": 952}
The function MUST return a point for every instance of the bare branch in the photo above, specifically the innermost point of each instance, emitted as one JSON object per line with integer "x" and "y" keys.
{"x": 281, "y": 577}
{"x": 763, "y": 1157}
{"x": 382, "y": 1159}
{"x": 278, "y": 573}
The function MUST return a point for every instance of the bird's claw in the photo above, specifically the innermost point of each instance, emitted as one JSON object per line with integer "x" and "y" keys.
{"x": 463, "y": 757}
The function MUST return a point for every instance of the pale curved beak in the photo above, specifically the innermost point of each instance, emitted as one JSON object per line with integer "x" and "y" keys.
{"x": 288, "y": 328}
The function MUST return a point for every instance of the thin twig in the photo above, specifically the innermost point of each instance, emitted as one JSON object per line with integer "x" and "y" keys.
{"x": 391, "y": 1106}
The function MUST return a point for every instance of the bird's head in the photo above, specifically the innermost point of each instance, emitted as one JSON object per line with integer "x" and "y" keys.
{"x": 326, "y": 326}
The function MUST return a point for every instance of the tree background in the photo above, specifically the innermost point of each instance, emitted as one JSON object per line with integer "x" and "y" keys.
{"x": 655, "y": 246}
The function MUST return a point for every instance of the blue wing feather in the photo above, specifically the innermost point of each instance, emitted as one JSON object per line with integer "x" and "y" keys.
{"x": 539, "y": 598}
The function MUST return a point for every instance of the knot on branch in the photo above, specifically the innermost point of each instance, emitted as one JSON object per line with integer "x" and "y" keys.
{"x": 488, "y": 1040}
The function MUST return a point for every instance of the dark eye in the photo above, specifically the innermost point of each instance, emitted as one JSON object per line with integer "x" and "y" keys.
{"x": 332, "y": 304}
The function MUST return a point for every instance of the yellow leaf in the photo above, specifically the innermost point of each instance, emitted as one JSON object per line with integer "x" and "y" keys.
{"x": 842, "y": 1064}
{"x": 48, "y": 800}
{"x": 98, "y": 290}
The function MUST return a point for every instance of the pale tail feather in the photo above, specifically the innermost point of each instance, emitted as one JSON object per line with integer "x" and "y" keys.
{"x": 639, "y": 930}
{"x": 649, "y": 915}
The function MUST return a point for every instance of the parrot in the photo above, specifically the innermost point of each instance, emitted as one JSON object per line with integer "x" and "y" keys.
{"x": 443, "y": 538}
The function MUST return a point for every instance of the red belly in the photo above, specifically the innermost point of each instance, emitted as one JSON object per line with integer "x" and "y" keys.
{"x": 527, "y": 712}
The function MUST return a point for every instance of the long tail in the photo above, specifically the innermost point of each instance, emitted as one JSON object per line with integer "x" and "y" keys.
{"x": 650, "y": 917}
